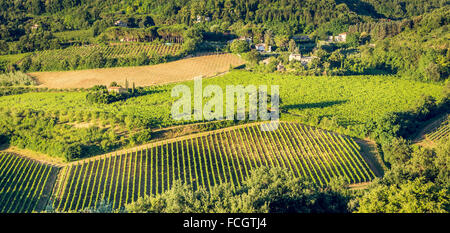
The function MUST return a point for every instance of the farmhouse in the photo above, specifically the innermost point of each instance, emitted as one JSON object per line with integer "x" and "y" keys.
{"x": 263, "y": 48}
{"x": 200, "y": 19}
{"x": 339, "y": 38}
{"x": 294, "y": 56}
{"x": 34, "y": 27}
{"x": 298, "y": 57}
{"x": 248, "y": 39}
{"x": 121, "y": 23}
{"x": 129, "y": 39}
{"x": 117, "y": 90}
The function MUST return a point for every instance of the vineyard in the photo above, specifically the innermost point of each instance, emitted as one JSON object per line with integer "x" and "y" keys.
{"x": 111, "y": 51}
{"x": 205, "y": 160}
{"x": 441, "y": 132}
{"x": 24, "y": 184}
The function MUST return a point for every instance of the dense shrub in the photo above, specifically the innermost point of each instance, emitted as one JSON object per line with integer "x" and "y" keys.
{"x": 16, "y": 78}
{"x": 273, "y": 190}
{"x": 239, "y": 46}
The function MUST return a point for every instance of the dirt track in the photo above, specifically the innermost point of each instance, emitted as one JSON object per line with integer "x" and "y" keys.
{"x": 177, "y": 71}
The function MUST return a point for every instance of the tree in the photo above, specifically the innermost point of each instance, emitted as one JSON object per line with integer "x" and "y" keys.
{"x": 253, "y": 57}
{"x": 96, "y": 60}
{"x": 143, "y": 59}
{"x": 337, "y": 59}
{"x": 267, "y": 190}
{"x": 26, "y": 64}
{"x": 73, "y": 152}
{"x": 4, "y": 47}
{"x": 192, "y": 39}
{"x": 417, "y": 181}
{"x": 146, "y": 21}
{"x": 37, "y": 7}
{"x": 239, "y": 46}
{"x": 353, "y": 39}
{"x": 397, "y": 151}
{"x": 281, "y": 41}
{"x": 387, "y": 127}
{"x": 268, "y": 38}
{"x": 432, "y": 72}
{"x": 415, "y": 196}
{"x": 424, "y": 107}
{"x": 292, "y": 46}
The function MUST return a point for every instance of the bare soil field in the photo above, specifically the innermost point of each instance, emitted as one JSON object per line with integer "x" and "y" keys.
{"x": 177, "y": 71}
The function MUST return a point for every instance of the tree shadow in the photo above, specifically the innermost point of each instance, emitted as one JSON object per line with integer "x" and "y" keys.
{"x": 4, "y": 146}
{"x": 324, "y": 104}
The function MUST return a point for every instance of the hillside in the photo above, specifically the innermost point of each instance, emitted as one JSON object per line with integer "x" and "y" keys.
{"x": 337, "y": 103}
{"x": 99, "y": 107}
{"x": 420, "y": 52}
{"x": 204, "y": 161}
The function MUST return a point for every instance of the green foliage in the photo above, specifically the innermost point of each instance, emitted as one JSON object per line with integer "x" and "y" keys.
{"x": 403, "y": 124}
{"x": 267, "y": 190}
{"x": 397, "y": 151}
{"x": 253, "y": 57}
{"x": 116, "y": 34}
{"x": 403, "y": 8}
{"x": 192, "y": 39}
{"x": 239, "y": 46}
{"x": 141, "y": 137}
{"x": 100, "y": 94}
{"x": 43, "y": 132}
{"x": 412, "y": 197}
{"x": 420, "y": 52}
{"x": 16, "y": 79}
{"x": 417, "y": 182}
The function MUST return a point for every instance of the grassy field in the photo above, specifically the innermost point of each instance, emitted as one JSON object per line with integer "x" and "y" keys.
{"x": 25, "y": 185}
{"x": 177, "y": 71}
{"x": 206, "y": 160}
